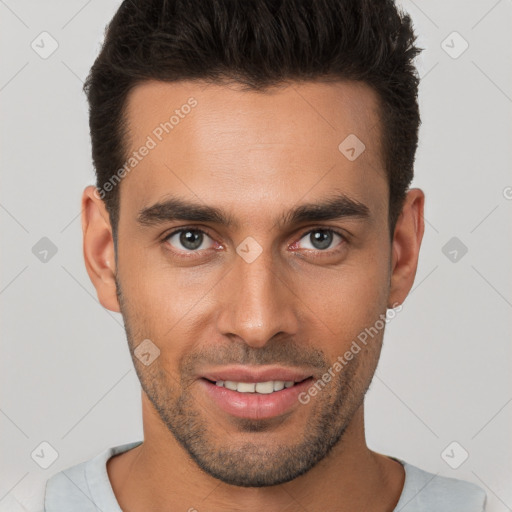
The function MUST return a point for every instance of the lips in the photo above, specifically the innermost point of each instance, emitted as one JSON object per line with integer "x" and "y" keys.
{"x": 244, "y": 392}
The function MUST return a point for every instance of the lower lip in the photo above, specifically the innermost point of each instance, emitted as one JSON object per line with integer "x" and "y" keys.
{"x": 257, "y": 406}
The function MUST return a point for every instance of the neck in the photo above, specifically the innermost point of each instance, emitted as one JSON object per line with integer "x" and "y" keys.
{"x": 159, "y": 474}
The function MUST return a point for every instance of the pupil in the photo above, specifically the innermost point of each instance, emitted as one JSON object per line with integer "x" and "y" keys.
{"x": 191, "y": 239}
{"x": 321, "y": 239}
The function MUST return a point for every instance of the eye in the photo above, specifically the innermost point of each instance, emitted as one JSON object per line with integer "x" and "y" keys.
{"x": 320, "y": 239}
{"x": 190, "y": 240}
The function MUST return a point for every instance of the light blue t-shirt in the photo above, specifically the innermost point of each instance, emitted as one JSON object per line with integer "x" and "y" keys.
{"x": 86, "y": 487}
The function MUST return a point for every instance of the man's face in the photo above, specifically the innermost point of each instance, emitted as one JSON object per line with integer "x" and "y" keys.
{"x": 266, "y": 292}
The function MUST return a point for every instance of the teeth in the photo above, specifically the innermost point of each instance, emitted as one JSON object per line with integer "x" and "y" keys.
{"x": 230, "y": 385}
{"x": 246, "y": 387}
{"x": 278, "y": 385}
{"x": 256, "y": 387}
{"x": 263, "y": 387}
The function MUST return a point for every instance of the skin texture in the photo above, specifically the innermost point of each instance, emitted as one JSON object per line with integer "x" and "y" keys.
{"x": 255, "y": 156}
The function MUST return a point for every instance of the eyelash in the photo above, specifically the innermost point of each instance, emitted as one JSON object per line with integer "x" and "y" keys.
{"x": 188, "y": 254}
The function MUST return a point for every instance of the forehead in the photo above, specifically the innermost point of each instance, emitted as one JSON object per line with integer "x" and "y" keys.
{"x": 219, "y": 144}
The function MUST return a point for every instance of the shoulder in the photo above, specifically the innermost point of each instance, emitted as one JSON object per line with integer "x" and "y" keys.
{"x": 83, "y": 486}
{"x": 425, "y": 491}
{"x": 69, "y": 490}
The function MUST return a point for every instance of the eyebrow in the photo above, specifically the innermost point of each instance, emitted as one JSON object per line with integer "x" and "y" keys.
{"x": 174, "y": 208}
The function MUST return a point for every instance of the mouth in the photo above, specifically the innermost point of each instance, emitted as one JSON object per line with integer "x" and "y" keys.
{"x": 255, "y": 394}
{"x": 263, "y": 388}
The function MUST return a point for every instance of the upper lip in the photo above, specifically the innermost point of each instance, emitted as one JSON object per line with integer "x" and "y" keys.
{"x": 256, "y": 374}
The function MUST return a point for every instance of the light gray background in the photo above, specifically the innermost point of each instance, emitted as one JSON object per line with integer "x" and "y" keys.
{"x": 444, "y": 376}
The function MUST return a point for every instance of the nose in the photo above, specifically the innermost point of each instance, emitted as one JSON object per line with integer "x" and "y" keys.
{"x": 258, "y": 301}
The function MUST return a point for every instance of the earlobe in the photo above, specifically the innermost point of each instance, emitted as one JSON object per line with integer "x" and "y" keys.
{"x": 98, "y": 248}
{"x": 406, "y": 246}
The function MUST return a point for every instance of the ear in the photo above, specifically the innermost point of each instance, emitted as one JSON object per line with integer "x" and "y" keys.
{"x": 98, "y": 247}
{"x": 406, "y": 246}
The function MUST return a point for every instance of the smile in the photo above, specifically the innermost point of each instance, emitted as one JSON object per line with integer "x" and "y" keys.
{"x": 264, "y": 388}
{"x": 257, "y": 400}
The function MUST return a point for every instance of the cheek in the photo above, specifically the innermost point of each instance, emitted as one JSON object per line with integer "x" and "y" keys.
{"x": 168, "y": 305}
{"x": 157, "y": 287}
{"x": 347, "y": 299}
